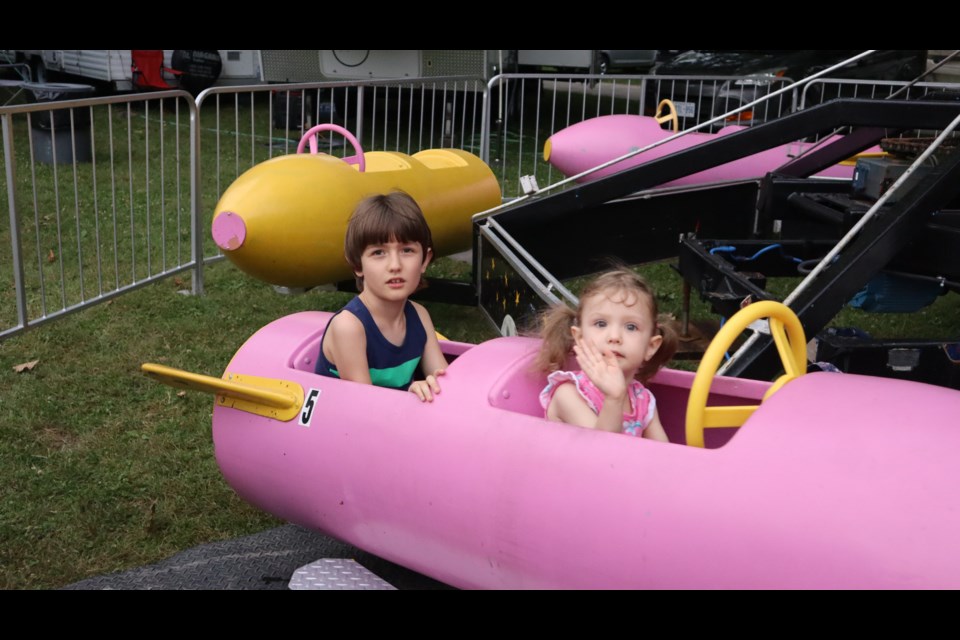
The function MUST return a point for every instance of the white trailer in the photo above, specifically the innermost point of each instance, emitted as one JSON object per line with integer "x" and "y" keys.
{"x": 242, "y": 66}
{"x": 368, "y": 64}
{"x": 113, "y": 66}
{"x": 285, "y": 65}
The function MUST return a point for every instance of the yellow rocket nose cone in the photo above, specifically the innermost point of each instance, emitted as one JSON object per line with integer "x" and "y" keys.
{"x": 229, "y": 231}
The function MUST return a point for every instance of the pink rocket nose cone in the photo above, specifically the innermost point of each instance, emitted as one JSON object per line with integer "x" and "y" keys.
{"x": 229, "y": 231}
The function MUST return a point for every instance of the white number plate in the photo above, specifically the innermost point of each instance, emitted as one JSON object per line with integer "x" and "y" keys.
{"x": 686, "y": 109}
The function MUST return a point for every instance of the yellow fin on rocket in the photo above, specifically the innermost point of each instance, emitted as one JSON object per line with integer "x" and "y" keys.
{"x": 269, "y": 397}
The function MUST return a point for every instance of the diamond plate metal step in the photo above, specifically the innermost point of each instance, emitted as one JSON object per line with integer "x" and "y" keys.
{"x": 337, "y": 574}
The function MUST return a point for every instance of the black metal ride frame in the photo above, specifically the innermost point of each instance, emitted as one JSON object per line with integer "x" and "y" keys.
{"x": 571, "y": 232}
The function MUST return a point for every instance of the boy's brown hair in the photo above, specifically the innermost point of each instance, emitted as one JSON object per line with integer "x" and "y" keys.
{"x": 394, "y": 217}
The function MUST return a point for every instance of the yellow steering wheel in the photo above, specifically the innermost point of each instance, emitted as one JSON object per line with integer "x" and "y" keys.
{"x": 791, "y": 344}
{"x": 672, "y": 116}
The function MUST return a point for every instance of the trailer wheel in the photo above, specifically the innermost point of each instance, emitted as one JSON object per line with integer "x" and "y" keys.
{"x": 200, "y": 67}
{"x": 38, "y": 71}
{"x": 604, "y": 66}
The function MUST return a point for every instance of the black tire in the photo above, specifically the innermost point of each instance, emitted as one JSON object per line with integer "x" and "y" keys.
{"x": 201, "y": 68}
{"x": 604, "y": 64}
{"x": 38, "y": 71}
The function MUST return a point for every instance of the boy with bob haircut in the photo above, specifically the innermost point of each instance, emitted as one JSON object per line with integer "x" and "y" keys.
{"x": 381, "y": 337}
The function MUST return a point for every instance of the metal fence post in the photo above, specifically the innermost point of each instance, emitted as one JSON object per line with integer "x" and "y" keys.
{"x": 485, "y": 119}
{"x": 359, "y": 132}
{"x": 196, "y": 220}
{"x": 14, "y": 223}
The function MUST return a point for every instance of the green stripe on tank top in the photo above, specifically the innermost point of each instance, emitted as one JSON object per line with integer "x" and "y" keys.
{"x": 394, "y": 377}
{"x": 397, "y": 376}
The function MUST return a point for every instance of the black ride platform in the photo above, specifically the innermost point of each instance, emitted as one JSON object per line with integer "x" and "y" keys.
{"x": 261, "y": 561}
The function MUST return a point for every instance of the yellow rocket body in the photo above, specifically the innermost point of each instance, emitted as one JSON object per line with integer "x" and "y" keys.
{"x": 284, "y": 220}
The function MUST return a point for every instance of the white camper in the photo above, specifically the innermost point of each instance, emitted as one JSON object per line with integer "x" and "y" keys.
{"x": 242, "y": 67}
{"x": 114, "y": 66}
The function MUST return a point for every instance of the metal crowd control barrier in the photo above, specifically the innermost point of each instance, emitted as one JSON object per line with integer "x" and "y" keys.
{"x": 821, "y": 90}
{"x": 99, "y": 193}
{"x": 108, "y": 194}
{"x": 824, "y": 89}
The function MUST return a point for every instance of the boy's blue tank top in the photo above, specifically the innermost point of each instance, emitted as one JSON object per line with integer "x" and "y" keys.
{"x": 390, "y": 365}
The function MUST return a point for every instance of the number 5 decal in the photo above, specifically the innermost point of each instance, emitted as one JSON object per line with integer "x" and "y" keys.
{"x": 306, "y": 412}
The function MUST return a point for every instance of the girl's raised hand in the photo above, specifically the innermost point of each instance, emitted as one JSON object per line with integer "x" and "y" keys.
{"x": 602, "y": 368}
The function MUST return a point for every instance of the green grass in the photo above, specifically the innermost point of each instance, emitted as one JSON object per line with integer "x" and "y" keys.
{"x": 90, "y": 228}
{"x": 105, "y": 469}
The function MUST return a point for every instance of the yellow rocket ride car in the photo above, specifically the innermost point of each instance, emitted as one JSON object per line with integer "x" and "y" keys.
{"x": 284, "y": 220}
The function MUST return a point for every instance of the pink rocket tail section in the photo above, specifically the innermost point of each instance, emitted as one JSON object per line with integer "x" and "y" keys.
{"x": 593, "y": 142}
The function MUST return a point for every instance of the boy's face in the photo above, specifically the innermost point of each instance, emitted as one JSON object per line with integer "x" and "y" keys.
{"x": 392, "y": 270}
